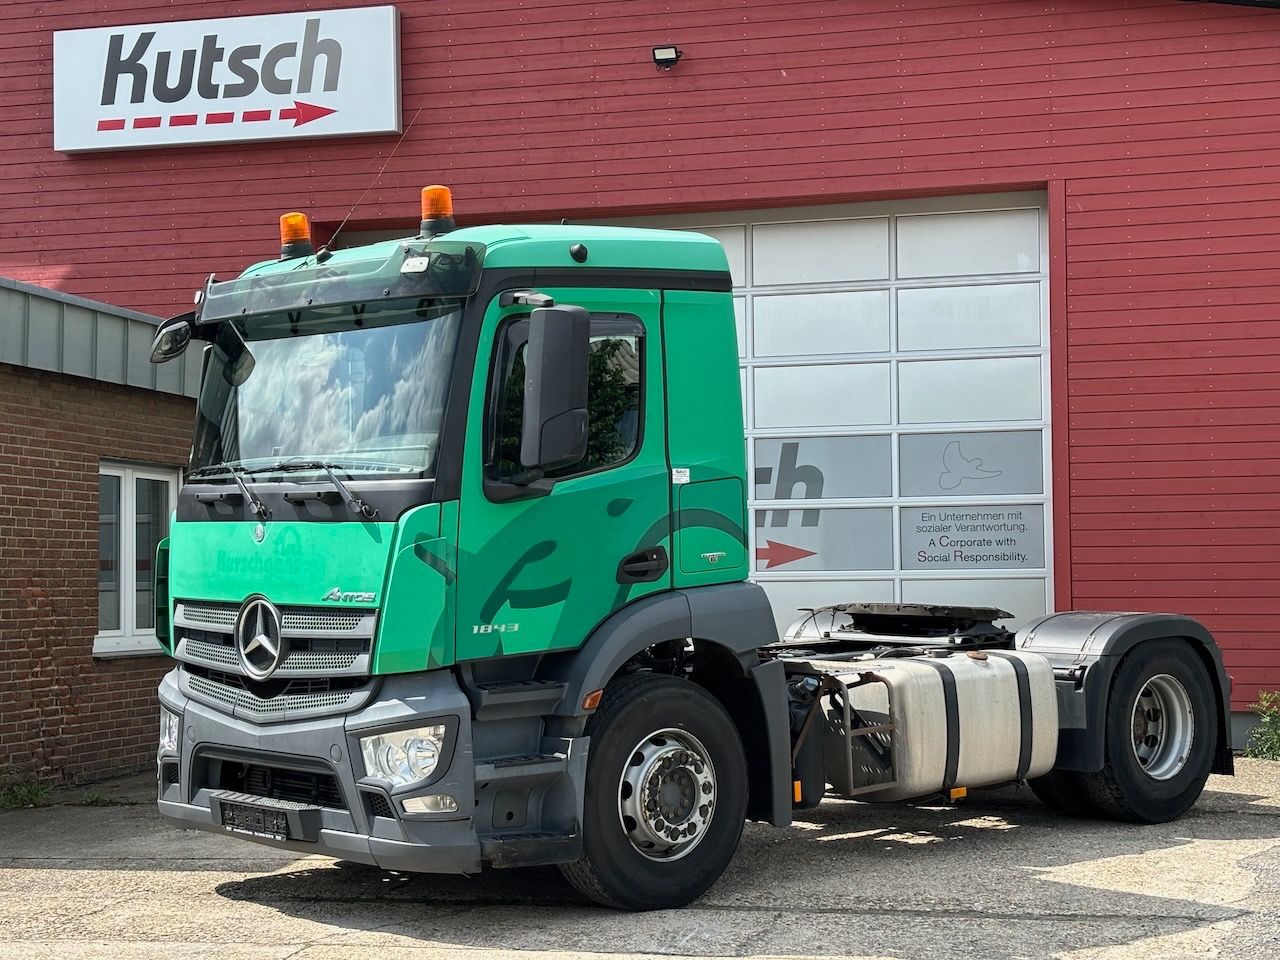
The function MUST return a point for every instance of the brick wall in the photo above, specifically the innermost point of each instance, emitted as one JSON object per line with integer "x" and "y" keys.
{"x": 63, "y": 714}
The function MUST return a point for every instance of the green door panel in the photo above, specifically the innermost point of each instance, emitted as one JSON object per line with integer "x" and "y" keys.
{"x": 708, "y": 537}
{"x": 538, "y": 574}
{"x": 704, "y": 395}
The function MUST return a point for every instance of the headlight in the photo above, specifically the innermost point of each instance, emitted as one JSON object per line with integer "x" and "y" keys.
{"x": 405, "y": 756}
{"x": 170, "y": 730}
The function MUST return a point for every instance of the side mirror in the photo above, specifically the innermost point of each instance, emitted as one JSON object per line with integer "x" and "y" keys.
{"x": 172, "y": 338}
{"x": 554, "y": 430}
{"x": 237, "y": 361}
{"x": 239, "y": 365}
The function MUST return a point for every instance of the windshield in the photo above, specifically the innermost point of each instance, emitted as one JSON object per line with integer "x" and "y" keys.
{"x": 360, "y": 386}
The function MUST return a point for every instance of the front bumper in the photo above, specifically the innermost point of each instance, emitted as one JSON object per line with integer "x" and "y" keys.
{"x": 354, "y": 824}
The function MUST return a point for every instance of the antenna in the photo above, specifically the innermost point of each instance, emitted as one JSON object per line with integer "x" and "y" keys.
{"x": 376, "y": 178}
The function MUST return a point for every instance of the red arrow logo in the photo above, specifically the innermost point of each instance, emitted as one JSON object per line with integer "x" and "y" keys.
{"x": 775, "y": 554}
{"x": 301, "y": 112}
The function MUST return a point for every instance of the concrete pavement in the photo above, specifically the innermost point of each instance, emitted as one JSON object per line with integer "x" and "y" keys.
{"x": 997, "y": 877}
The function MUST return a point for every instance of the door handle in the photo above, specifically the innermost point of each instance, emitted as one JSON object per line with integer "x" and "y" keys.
{"x": 643, "y": 566}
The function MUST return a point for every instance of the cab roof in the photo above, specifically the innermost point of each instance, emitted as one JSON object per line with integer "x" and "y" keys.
{"x": 546, "y": 245}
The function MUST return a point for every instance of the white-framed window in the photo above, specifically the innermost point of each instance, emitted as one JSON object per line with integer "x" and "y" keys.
{"x": 134, "y": 503}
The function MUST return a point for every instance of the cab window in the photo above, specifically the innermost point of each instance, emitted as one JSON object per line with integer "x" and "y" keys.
{"x": 615, "y": 383}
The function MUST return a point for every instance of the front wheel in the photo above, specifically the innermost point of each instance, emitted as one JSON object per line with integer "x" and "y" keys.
{"x": 665, "y": 796}
{"x": 1161, "y": 724}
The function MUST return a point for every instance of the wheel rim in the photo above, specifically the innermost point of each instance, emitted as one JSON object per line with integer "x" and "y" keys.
{"x": 667, "y": 794}
{"x": 1163, "y": 727}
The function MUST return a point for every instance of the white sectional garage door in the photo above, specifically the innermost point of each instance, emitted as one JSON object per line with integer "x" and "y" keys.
{"x": 896, "y": 390}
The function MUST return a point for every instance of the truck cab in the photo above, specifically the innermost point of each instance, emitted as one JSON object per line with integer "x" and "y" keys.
{"x": 458, "y": 578}
{"x": 379, "y": 594}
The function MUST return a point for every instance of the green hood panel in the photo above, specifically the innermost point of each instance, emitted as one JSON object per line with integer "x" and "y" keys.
{"x": 295, "y": 564}
{"x": 299, "y": 564}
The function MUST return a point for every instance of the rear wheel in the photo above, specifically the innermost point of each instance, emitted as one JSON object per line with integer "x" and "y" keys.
{"x": 665, "y": 795}
{"x": 1161, "y": 724}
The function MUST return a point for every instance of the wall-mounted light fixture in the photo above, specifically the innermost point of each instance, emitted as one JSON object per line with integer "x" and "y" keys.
{"x": 664, "y": 58}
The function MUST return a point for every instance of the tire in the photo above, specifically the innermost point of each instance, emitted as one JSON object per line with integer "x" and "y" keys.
{"x": 1174, "y": 730}
{"x": 656, "y": 731}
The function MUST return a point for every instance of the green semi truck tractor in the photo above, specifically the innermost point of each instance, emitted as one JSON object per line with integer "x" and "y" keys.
{"x": 458, "y": 578}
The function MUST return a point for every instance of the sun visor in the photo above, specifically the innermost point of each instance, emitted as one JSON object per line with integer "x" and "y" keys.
{"x": 411, "y": 268}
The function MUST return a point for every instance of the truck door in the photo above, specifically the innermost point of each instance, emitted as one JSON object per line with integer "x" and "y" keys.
{"x": 539, "y": 570}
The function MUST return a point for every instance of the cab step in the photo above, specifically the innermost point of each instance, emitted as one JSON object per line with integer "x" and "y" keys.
{"x": 530, "y": 848}
{"x": 508, "y": 699}
{"x": 529, "y": 766}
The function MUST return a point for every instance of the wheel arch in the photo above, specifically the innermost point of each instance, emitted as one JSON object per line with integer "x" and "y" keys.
{"x": 728, "y": 624}
{"x": 1089, "y": 647}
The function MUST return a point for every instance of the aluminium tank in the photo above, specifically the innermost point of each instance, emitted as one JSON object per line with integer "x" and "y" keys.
{"x": 964, "y": 720}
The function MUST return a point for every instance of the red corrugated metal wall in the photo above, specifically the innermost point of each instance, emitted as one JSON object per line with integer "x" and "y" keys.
{"x": 1155, "y": 125}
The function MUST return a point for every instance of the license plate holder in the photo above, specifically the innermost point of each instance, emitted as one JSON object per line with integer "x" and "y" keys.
{"x": 250, "y": 819}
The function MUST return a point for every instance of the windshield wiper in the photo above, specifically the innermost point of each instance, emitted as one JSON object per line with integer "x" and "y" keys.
{"x": 354, "y": 503}
{"x": 257, "y": 506}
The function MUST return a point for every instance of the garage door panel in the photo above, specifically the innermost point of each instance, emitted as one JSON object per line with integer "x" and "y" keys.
{"x": 740, "y": 320}
{"x": 824, "y": 468}
{"x": 969, "y": 244}
{"x": 825, "y": 251}
{"x": 827, "y": 395}
{"x": 790, "y": 599}
{"x": 981, "y": 537}
{"x": 824, "y": 538}
{"x": 991, "y": 316}
{"x": 969, "y": 391}
{"x": 972, "y": 464}
{"x": 822, "y": 323}
{"x": 1025, "y": 599}
{"x": 734, "y": 241}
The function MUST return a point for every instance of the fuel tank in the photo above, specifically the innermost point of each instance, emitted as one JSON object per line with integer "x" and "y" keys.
{"x": 931, "y": 723}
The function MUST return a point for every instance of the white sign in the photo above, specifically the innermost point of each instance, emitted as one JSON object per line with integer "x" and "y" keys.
{"x": 973, "y": 538}
{"x": 314, "y": 74}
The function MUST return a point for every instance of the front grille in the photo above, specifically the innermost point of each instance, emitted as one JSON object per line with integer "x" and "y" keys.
{"x": 306, "y": 654}
{"x": 275, "y": 699}
{"x": 281, "y": 783}
{"x": 320, "y": 641}
{"x": 214, "y": 614}
{"x": 379, "y": 806}
{"x": 308, "y": 619}
{"x": 331, "y": 621}
{"x": 223, "y": 653}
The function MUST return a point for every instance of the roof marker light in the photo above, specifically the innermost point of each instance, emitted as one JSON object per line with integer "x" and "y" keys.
{"x": 295, "y": 236}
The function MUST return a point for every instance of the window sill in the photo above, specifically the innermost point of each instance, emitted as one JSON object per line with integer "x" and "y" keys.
{"x": 138, "y": 645}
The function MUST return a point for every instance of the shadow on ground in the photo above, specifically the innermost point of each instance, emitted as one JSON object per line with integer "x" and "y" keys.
{"x": 865, "y": 879}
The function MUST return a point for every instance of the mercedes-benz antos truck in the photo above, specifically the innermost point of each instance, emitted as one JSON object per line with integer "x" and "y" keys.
{"x": 459, "y": 578}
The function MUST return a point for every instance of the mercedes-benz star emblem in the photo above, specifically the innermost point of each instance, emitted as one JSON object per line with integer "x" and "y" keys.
{"x": 258, "y": 638}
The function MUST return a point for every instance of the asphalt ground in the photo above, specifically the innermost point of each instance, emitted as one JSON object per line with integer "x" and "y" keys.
{"x": 998, "y": 876}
